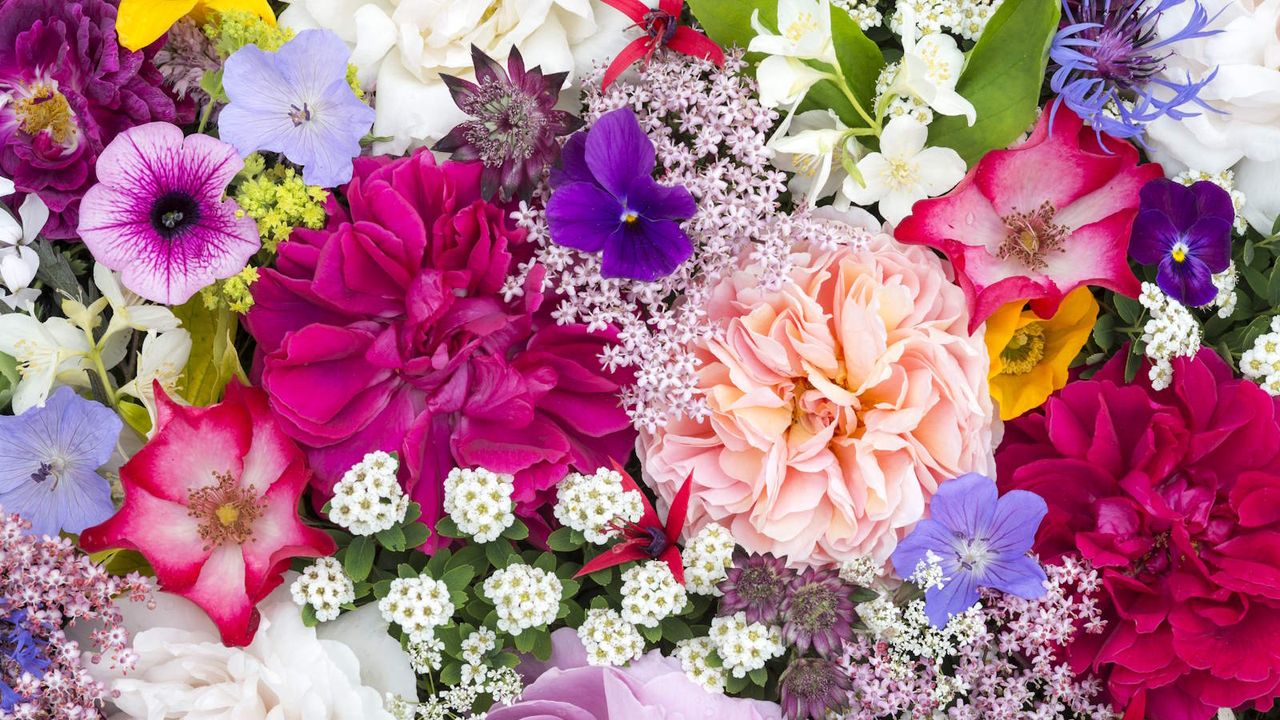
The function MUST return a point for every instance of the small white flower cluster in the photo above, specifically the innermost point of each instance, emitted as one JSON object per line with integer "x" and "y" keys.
{"x": 864, "y": 12}
{"x": 477, "y": 644}
{"x": 966, "y": 18}
{"x": 608, "y": 639}
{"x": 900, "y": 105}
{"x": 909, "y": 635}
{"x": 745, "y": 646}
{"x": 928, "y": 572}
{"x": 368, "y": 499}
{"x": 524, "y": 597}
{"x": 1172, "y": 332}
{"x": 1226, "y": 180}
{"x": 693, "y": 654}
{"x": 325, "y": 586}
{"x": 1226, "y": 282}
{"x": 477, "y": 678}
{"x": 479, "y": 501}
{"x": 1261, "y": 363}
{"x": 862, "y": 570}
{"x": 650, "y": 593}
{"x": 592, "y": 504}
{"x": 706, "y": 558}
{"x": 426, "y": 655}
{"x": 418, "y": 605}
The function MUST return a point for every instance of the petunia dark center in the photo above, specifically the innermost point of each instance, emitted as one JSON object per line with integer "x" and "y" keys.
{"x": 173, "y": 213}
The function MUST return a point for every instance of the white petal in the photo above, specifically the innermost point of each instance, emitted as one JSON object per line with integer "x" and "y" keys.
{"x": 6, "y": 187}
{"x": 383, "y": 664}
{"x": 411, "y": 112}
{"x": 873, "y": 168}
{"x": 34, "y": 214}
{"x": 897, "y": 204}
{"x": 1257, "y": 180}
{"x": 18, "y": 267}
{"x": 903, "y": 138}
{"x": 939, "y": 169}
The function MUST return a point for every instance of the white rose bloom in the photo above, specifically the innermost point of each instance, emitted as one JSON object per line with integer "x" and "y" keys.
{"x": 402, "y": 46}
{"x": 1245, "y": 134}
{"x": 338, "y": 671}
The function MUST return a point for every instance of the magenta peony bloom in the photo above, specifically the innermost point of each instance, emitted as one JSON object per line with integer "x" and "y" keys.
{"x": 71, "y": 90}
{"x": 1171, "y": 495}
{"x": 159, "y": 217}
{"x": 389, "y": 330}
{"x": 567, "y": 688}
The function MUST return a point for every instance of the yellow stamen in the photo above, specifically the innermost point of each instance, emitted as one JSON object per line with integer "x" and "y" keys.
{"x": 1024, "y": 351}
{"x": 46, "y": 110}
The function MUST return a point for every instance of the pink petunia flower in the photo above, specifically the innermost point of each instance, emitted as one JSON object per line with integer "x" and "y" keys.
{"x": 1039, "y": 220}
{"x": 211, "y": 502}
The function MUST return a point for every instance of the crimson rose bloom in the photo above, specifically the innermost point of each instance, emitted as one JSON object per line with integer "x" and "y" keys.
{"x": 1172, "y": 495}
{"x": 390, "y": 330}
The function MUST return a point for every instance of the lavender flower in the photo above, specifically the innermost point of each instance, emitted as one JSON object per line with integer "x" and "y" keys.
{"x": 1186, "y": 232}
{"x": 514, "y": 124}
{"x": 756, "y": 584}
{"x": 158, "y": 214}
{"x": 1109, "y": 60}
{"x": 49, "y": 460}
{"x": 607, "y": 201}
{"x": 813, "y": 688}
{"x": 818, "y": 612}
{"x": 296, "y": 101}
{"x": 981, "y": 541}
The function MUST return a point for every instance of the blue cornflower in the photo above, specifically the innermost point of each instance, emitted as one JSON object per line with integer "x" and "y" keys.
{"x": 1109, "y": 61}
{"x": 19, "y": 645}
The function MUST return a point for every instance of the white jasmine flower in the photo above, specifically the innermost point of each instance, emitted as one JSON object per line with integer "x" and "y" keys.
{"x": 18, "y": 262}
{"x": 930, "y": 70}
{"x": 479, "y": 502}
{"x": 162, "y": 359}
{"x": 784, "y": 81}
{"x": 904, "y": 170}
{"x": 128, "y": 309}
{"x": 49, "y": 353}
{"x": 814, "y": 149}
{"x": 524, "y": 597}
{"x": 325, "y": 586}
{"x": 804, "y": 31}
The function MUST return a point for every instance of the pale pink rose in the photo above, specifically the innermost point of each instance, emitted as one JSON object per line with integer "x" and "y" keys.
{"x": 838, "y": 403}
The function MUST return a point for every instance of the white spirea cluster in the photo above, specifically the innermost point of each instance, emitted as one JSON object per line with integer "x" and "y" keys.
{"x": 693, "y": 654}
{"x": 608, "y": 639}
{"x": 592, "y": 504}
{"x": 479, "y": 501}
{"x": 909, "y": 634}
{"x": 900, "y": 105}
{"x": 1226, "y": 282}
{"x": 426, "y": 655}
{"x": 1261, "y": 363}
{"x": 325, "y": 586}
{"x": 965, "y": 18}
{"x": 524, "y": 597}
{"x": 650, "y": 593}
{"x": 864, "y": 12}
{"x": 1172, "y": 332}
{"x": 744, "y": 646}
{"x": 418, "y": 605}
{"x": 862, "y": 570}
{"x": 477, "y": 644}
{"x": 1226, "y": 180}
{"x": 368, "y": 499}
{"x": 706, "y": 557}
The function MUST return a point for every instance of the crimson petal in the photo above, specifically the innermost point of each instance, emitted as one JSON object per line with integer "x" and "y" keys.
{"x": 695, "y": 44}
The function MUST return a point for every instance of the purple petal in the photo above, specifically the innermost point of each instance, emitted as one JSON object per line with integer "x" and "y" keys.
{"x": 645, "y": 250}
{"x": 1018, "y": 575}
{"x": 1153, "y": 235}
{"x": 965, "y": 505}
{"x": 1213, "y": 202}
{"x": 583, "y": 216}
{"x": 659, "y": 202}
{"x": 618, "y": 151}
{"x": 957, "y": 595}
{"x": 573, "y": 162}
{"x": 1209, "y": 241}
{"x": 1017, "y": 518}
{"x": 928, "y": 535}
{"x": 1174, "y": 200}
{"x": 1189, "y": 282}
{"x": 310, "y": 62}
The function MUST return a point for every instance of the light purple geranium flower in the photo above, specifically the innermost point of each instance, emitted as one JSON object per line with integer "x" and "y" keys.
{"x": 158, "y": 215}
{"x": 981, "y": 541}
{"x": 607, "y": 201}
{"x": 296, "y": 101}
{"x": 49, "y": 460}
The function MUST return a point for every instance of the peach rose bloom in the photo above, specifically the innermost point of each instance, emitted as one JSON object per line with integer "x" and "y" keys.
{"x": 838, "y": 403}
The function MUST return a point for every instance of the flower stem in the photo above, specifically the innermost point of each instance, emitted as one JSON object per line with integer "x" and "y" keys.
{"x": 872, "y": 123}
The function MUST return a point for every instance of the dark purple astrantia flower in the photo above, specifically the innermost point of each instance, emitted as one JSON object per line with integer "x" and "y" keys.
{"x": 1186, "y": 233}
{"x": 607, "y": 201}
{"x": 296, "y": 101}
{"x": 980, "y": 541}
{"x": 158, "y": 215}
{"x": 514, "y": 127}
{"x": 813, "y": 689}
{"x": 818, "y": 612}
{"x": 756, "y": 584}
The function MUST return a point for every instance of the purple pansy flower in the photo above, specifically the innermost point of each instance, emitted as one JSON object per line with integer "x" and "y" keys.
{"x": 49, "y": 460}
{"x": 981, "y": 542}
{"x": 296, "y": 101}
{"x": 1186, "y": 233}
{"x": 607, "y": 201}
{"x": 158, "y": 215}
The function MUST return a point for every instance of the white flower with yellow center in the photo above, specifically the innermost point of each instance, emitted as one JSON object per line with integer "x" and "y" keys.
{"x": 930, "y": 70}
{"x": 804, "y": 31}
{"x": 904, "y": 171}
{"x": 815, "y": 149}
{"x": 48, "y": 353}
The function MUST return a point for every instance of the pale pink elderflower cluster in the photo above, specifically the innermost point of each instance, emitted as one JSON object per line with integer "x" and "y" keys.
{"x": 709, "y": 131}
{"x": 1008, "y": 669}
{"x": 56, "y": 587}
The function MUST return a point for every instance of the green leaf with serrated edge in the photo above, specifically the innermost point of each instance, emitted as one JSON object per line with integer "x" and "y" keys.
{"x": 674, "y": 629}
{"x": 357, "y": 559}
{"x": 406, "y": 570}
{"x": 525, "y": 640}
{"x": 381, "y": 588}
{"x": 435, "y": 567}
{"x": 413, "y": 513}
{"x": 652, "y": 634}
{"x": 759, "y": 676}
{"x": 446, "y": 527}
{"x": 471, "y": 556}
{"x": 1002, "y": 78}
{"x": 213, "y": 361}
{"x": 498, "y": 554}
{"x": 1128, "y": 309}
{"x": 451, "y": 673}
{"x": 505, "y": 659}
{"x": 546, "y": 561}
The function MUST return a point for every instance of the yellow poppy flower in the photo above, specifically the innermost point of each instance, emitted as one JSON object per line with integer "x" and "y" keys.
{"x": 141, "y": 22}
{"x": 1030, "y": 355}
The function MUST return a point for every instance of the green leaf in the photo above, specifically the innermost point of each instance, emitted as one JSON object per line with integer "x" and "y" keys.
{"x": 759, "y": 676}
{"x": 1132, "y": 363}
{"x": 674, "y": 629}
{"x": 1002, "y": 78}
{"x": 1103, "y": 331}
{"x": 358, "y": 560}
{"x": 1128, "y": 309}
{"x": 122, "y": 562}
{"x": 136, "y": 417}
{"x": 547, "y": 562}
{"x": 652, "y": 634}
{"x": 405, "y": 570}
{"x": 517, "y": 531}
{"x": 392, "y": 539}
{"x": 728, "y": 22}
{"x": 9, "y": 377}
{"x": 542, "y": 645}
{"x": 525, "y": 640}
{"x": 860, "y": 61}
{"x": 446, "y": 527}
{"x": 506, "y": 659}
{"x": 561, "y": 540}
{"x": 498, "y": 554}
{"x": 451, "y": 674}
{"x": 415, "y": 533}
{"x": 214, "y": 361}
{"x": 457, "y": 578}
{"x": 309, "y": 616}
{"x": 413, "y": 513}
{"x": 55, "y": 271}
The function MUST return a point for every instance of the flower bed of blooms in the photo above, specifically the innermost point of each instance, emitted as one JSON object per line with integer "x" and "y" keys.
{"x": 609, "y": 359}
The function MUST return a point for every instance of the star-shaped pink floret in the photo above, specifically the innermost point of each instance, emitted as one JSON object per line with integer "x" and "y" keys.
{"x": 1036, "y": 221}
{"x": 212, "y": 503}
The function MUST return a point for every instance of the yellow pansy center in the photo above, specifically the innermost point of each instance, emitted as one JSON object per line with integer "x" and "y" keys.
{"x": 46, "y": 110}
{"x": 1024, "y": 351}
{"x": 630, "y": 216}
{"x": 1179, "y": 252}
{"x": 226, "y": 510}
